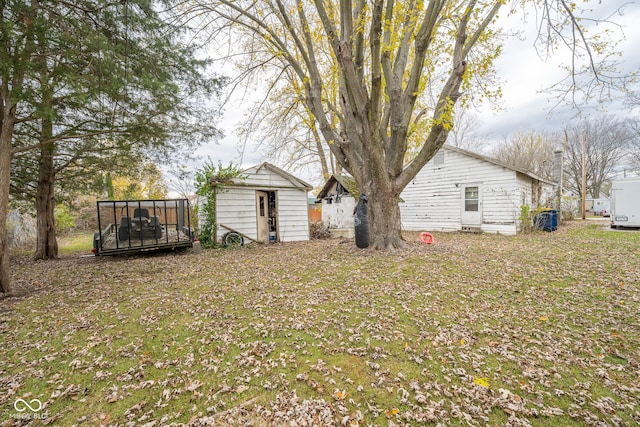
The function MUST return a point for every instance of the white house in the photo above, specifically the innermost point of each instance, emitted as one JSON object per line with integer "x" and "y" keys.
{"x": 338, "y": 203}
{"x": 461, "y": 190}
{"x": 266, "y": 204}
{"x": 600, "y": 206}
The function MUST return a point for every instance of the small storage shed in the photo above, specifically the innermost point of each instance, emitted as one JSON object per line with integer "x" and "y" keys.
{"x": 338, "y": 198}
{"x": 265, "y": 204}
{"x": 462, "y": 190}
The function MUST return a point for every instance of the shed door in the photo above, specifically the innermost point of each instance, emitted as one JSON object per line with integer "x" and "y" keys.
{"x": 471, "y": 206}
{"x": 262, "y": 213}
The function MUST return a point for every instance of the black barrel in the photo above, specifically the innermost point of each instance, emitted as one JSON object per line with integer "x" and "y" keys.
{"x": 361, "y": 222}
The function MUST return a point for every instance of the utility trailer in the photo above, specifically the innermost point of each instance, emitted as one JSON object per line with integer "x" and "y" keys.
{"x": 128, "y": 226}
{"x": 625, "y": 203}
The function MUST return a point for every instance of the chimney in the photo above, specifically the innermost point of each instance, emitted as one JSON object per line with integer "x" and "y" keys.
{"x": 558, "y": 162}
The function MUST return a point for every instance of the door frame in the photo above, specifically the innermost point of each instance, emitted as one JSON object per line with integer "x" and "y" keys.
{"x": 471, "y": 218}
{"x": 266, "y": 215}
{"x": 262, "y": 216}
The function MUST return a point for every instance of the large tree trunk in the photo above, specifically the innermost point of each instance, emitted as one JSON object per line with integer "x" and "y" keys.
{"x": 47, "y": 244}
{"x": 383, "y": 212}
{"x": 6, "y": 133}
{"x": 16, "y": 63}
{"x": 384, "y": 222}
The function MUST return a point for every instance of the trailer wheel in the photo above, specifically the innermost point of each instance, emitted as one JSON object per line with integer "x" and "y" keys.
{"x": 232, "y": 239}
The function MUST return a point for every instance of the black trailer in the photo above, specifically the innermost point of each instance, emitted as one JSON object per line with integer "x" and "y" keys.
{"x": 141, "y": 225}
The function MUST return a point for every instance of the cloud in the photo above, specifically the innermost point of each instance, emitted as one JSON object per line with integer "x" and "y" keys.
{"x": 525, "y": 76}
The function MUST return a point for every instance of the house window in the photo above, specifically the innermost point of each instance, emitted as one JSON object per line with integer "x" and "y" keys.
{"x": 471, "y": 199}
{"x": 262, "y": 206}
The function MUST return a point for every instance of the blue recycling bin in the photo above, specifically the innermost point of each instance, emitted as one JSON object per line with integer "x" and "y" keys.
{"x": 547, "y": 220}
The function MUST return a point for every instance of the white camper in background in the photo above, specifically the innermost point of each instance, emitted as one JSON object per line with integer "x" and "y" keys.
{"x": 625, "y": 203}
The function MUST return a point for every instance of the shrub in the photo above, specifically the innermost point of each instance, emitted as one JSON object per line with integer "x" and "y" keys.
{"x": 210, "y": 180}
{"x": 63, "y": 218}
{"x": 318, "y": 231}
{"x": 525, "y": 219}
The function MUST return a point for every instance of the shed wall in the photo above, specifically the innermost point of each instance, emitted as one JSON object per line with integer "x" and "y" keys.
{"x": 236, "y": 203}
{"x": 293, "y": 215}
{"x": 236, "y": 208}
{"x": 338, "y": 214}
{"x": 264, "y": 178}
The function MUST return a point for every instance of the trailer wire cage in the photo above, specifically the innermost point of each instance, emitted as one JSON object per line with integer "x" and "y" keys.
{"x": 141, "y": 225}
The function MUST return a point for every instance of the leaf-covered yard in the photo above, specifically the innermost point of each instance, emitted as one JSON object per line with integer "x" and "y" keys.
{"x": 539, "y": 329}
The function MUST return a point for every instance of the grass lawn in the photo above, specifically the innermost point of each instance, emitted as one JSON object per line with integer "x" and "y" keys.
{"x": 74, "y": 244}
{"x": 539, "y": 329}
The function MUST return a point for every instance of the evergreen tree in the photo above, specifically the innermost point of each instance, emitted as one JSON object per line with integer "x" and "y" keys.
{"x": 92, "y": 86}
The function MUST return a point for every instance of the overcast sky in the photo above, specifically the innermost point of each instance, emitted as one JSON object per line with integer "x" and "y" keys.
{"x": 524, "y": 77}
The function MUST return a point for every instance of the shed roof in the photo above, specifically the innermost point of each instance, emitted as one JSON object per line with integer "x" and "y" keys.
{"x": 347, "y": 182}
{"x": 254, "y": 170}
{"x": 286, "y": 175}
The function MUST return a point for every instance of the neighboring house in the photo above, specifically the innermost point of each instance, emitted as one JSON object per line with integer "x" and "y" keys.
{"x": 588, "y": 204}
{"x": 600, "y": 206}
{"x": 461, "y": 190}
{"x": 571, "y": 206}
{"x": 338, "y": 203}
{"x": 266, "y": 204}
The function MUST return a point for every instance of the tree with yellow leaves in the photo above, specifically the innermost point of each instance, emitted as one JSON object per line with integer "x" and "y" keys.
{"x": 147, "y": 183}
{"x": 382, "y": 76}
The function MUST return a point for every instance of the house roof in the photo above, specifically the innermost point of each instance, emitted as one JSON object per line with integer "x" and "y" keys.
{"x": 352, "y": 187}
{"x": 496, "y": 162}
{"x": 602, "y": 197}
{"x": 347, "y": 182}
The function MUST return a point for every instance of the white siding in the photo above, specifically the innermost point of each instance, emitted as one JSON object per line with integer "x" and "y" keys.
{"x": 525, "y": 188}
{"x": 548, "y": 194}
{"x": 236, "y": 204}
{"x": 264, "y": 178}
{"x": 338, "y": 214}
{"x": 236, "y": 208}
{"x": 434, "y": 200}
{"x": 525, "y": 196}
{"x": 293, "y": 215}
